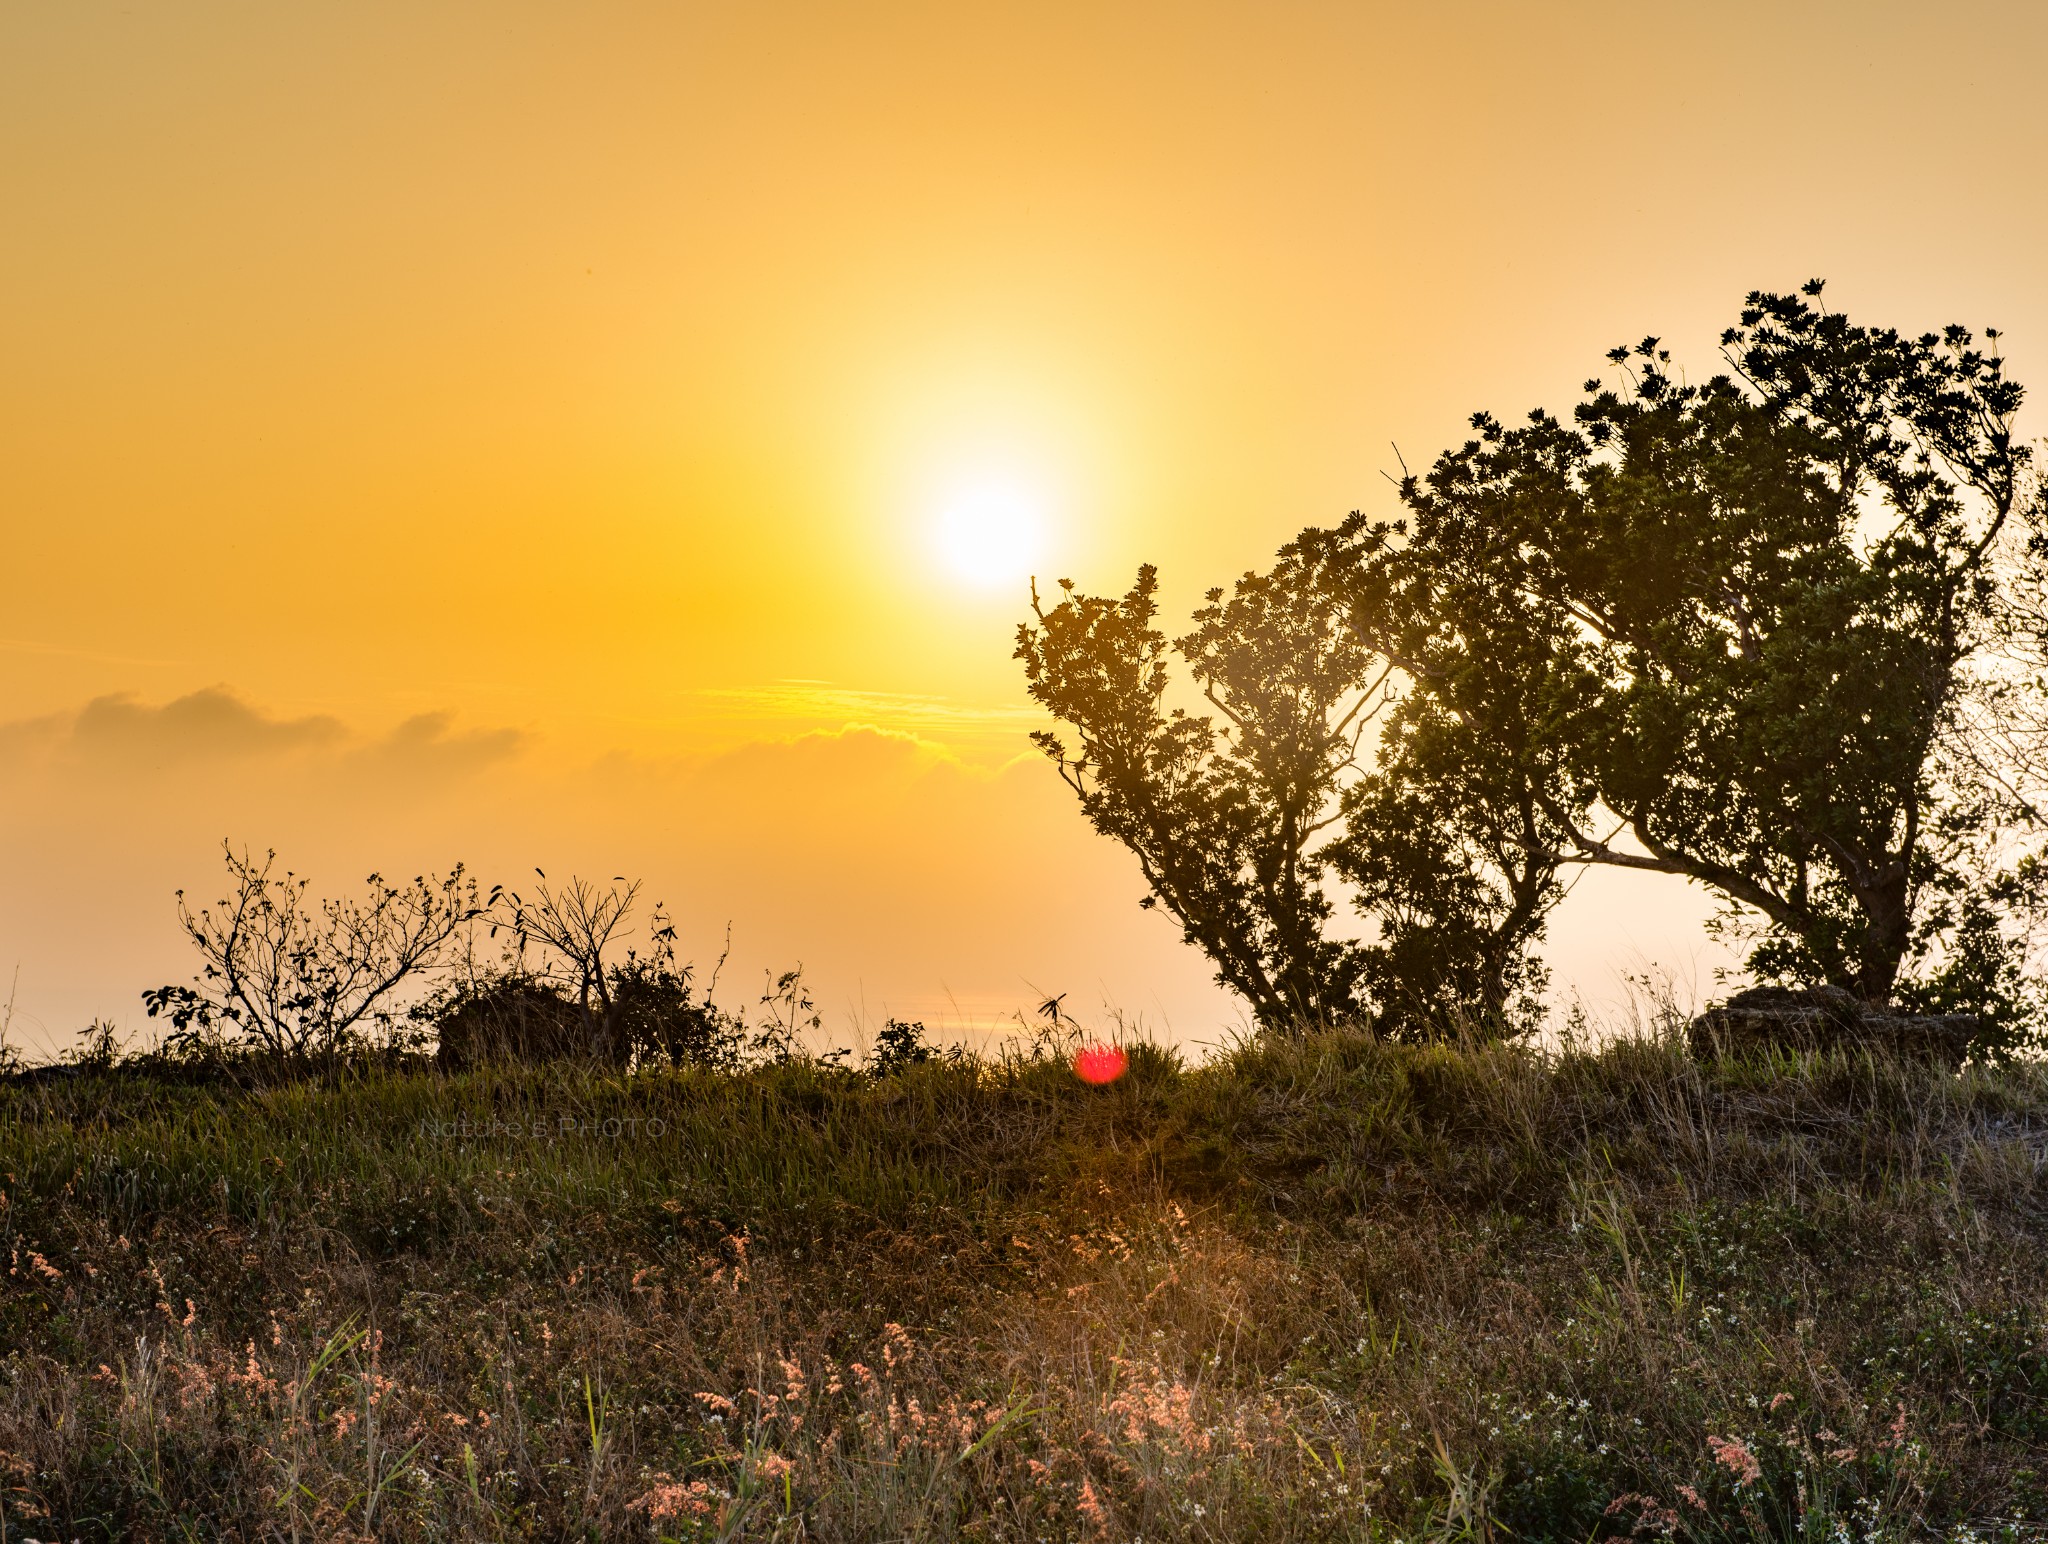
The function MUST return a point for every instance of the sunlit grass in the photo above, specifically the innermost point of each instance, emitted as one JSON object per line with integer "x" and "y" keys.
{"x": 1332, "y": 1289}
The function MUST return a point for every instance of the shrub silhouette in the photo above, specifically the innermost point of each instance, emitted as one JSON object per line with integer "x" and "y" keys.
{"x": 899, "y": 1044}
{"x": 556, "y": 996}
{"x": 509, "y": 1019}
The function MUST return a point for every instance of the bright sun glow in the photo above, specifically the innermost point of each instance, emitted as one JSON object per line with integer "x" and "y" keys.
{"x": 990, "y": 534}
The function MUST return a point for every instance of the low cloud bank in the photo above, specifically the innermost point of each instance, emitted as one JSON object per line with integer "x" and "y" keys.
{"x": 907, "y": 880}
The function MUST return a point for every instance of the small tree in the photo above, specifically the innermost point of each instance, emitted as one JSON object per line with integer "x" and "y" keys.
{"x": 582, "y": 999}
{"x": 1223, "y": 818}
{"x": 577, "y": 921}
{"x": 302, "y": 981}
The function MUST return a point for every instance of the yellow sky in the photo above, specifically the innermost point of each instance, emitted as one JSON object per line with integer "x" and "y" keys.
{"x": 591, "y": 378}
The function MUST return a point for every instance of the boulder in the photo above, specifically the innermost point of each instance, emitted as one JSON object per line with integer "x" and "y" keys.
{"x": 1825, "y": 1018}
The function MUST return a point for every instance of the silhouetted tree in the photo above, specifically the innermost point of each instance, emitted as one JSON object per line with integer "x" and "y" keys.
{"x": 561, "y": 992}
{"x": 1729, "y": 631}
{"x": 1221, "y": 816}
{"x": 577, "y": 922}
{"x": 301, "y": 981}
{"x": 1451, "y": 838}
{"x": 1241, "y": 824}
{"x": 1761, "y": 594}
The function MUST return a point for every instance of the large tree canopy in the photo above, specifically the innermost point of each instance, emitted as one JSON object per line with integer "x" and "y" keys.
{"x": 1726, "y": 631}
{"x": 1776, "y": 579}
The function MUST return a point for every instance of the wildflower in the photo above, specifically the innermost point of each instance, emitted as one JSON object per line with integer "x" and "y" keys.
{"x": 1691, "y": 1498}
{"x": 895, "y": 1345}
{"x": 668, "y": 1500}
{"x": 1733, "y": 1454}
{"x": 1898, "y": 1430}
{"x": 1650, "y": 1513}
{"x": 772, "y": 1466}
{"x": 1091, "y": 1510}
{"x": 793, "y": 1380}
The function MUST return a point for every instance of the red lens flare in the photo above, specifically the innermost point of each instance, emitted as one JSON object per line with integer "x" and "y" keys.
{"x": 1100, "y": 1063}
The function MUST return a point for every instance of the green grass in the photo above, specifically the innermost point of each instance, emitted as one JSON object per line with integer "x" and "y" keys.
{"x": 1333, "y": 1289}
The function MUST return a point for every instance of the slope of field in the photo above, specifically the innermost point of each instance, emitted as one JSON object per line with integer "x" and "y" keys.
{"x": 1333, "y": 1290}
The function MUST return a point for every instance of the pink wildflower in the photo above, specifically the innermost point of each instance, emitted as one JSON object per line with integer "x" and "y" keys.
{"x": 668, "y": 1500}
{"x": 1733, "y": 1454}
{"x": 1091, "y": 1510}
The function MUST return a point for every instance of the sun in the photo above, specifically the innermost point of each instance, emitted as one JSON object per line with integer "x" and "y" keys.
{"x": 989, "y": 534}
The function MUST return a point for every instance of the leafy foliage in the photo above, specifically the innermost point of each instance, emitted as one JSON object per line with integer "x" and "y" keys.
{"x": 1221, "y": 816}
{"x": 1735, "y": 632}
{"x": 1771, "y": 582}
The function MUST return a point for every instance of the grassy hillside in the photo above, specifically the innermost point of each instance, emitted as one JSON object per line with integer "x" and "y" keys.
{"x": 1336, "y": 1290}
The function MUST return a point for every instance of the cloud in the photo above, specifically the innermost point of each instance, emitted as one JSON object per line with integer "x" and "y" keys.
{"x": 122, "y": 736}
{"x": 422, "y": 746}
{"x": 27, "y": 738}
{"x": 210, "y": 724}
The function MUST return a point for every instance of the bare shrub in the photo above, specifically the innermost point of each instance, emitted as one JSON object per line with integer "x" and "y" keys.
{"x": 558, "y": 994}
{"x": 302, "y": 981}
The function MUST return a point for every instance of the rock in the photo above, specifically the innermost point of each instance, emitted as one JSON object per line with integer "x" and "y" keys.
{"x": 1826, "y": 1018}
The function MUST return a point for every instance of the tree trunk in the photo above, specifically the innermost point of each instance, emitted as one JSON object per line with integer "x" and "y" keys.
{"x": 1888, "y": 930}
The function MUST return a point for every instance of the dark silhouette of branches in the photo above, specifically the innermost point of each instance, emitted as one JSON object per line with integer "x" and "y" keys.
{"x": 1221, "y": 816}
{"x": 302, "y": 980}
{"x": 577, "y": 922}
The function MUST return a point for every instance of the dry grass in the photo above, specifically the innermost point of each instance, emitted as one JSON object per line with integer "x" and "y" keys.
{"x": 1330, "y": 1290}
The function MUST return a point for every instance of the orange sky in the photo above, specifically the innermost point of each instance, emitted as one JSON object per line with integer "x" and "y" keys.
{"x": 515, "y": 432}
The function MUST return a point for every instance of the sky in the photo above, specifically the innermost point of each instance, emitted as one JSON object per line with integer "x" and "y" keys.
{"x": 617, "y": 438}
